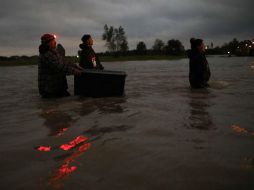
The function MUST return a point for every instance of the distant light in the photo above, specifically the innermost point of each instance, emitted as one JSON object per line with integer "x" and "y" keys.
{"x": 77, "y": 56}
{"x": 246, "y": 45}
{"x": 54, "y": 36}
{"x": 253, "y": 42}
{"x": 250, "y": 46}
{"x": 238, "y": 47}
{"x": 228, "y": 52}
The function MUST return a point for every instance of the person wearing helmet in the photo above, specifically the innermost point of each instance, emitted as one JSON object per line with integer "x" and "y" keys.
{"x": 87, "y": 57}
{"x": 52, "y": 69}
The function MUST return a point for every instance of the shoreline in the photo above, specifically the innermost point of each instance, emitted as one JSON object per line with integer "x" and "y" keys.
{"x": 34, "y": 61}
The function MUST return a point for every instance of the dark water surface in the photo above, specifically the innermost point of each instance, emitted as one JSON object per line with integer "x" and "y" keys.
{"x": 161, "y": 135}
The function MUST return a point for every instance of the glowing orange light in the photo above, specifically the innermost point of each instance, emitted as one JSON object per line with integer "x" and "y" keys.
{"x": 44, "y": 148}
{"x": 73, "y": 143}
{"x": 238, "y": 129}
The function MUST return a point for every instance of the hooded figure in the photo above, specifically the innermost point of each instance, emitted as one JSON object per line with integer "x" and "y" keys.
{"x": 87, "y": 57}
{"x": 199, "y": 71}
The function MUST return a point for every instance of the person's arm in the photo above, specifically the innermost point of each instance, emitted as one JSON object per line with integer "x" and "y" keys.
{"x": 208, "y": 71}
{"x": 58, "y": 65}
{"x": 205, "y": 71}
{"x": 85, "y": 61}
{"x": 98, "y": 62}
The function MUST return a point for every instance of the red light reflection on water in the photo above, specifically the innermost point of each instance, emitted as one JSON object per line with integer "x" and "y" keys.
{"x": 44, "y": 148}
{"x": 61, "y": 132}
{"x": 73, "y": 143}
{"x": 65, "y": 169}
{"x": 240, "y": 130}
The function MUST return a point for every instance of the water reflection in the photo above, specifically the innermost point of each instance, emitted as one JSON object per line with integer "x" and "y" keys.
{"x": 103, "y": 105}
{"x": 199, "y": 117}
{"x": 80, "y": 145}
{"x": 44, "y": 148}
{"x": 73, "y": 143}
{"x": 59, "y": 116}
{"x": 240, "y": 130}
{"x": 56, "y": 120}
{"x": 66, "y": 168}
{"x": 95, "y": 131}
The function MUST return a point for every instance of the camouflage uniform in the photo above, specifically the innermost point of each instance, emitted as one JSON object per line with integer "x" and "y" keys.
{"x": 52, "y": 71}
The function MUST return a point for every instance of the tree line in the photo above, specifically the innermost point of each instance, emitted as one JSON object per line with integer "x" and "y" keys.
{"x": 234, "y": 47}
{"x": 117, "y": 44}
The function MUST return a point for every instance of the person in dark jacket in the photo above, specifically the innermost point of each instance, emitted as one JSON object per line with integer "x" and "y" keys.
{"x": 199, "y": 71}
{"x": 52, "y": 69}
{"x": 87, "y": 57}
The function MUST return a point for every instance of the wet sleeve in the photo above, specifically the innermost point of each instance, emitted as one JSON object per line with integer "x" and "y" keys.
{"x": 207, "y": 73}
{"x": 58, "y": 65}
{"x": 205, "y": 70}
{"x": 100, "y": 66}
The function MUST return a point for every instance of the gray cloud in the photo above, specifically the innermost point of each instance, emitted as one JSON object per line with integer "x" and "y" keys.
{"x": 23, "y": 22}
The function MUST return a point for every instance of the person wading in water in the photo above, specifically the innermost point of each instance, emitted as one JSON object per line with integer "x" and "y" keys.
{"x": 199, "y": 71}
{"x": 52, "y": 69}
{"x": 87, "y": 57}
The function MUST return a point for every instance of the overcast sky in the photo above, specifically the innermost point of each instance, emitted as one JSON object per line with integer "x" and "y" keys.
{"x": 22, "y": 22}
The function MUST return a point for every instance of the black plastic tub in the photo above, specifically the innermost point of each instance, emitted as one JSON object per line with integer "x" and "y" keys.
{"x": 100, "y": 83}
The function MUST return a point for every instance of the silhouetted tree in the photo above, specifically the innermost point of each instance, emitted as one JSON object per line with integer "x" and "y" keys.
{"x": 158, "y": 45}
{"x": 121, "y": 40}
{"x": 108, "y": 35}
{"x": 141, "y": 47}
{"x": 116, "y": 40}
{"x": 174, "y": 47}
{"x": 232, "y": 46}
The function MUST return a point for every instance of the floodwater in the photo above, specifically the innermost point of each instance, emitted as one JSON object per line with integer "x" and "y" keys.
{"x": 160, "y": 135}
